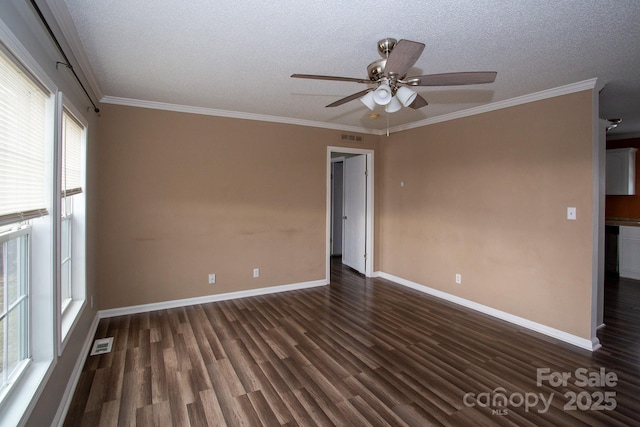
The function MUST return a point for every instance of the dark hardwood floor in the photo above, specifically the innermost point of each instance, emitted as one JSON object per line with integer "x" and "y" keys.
{"x": 358, "y": 352}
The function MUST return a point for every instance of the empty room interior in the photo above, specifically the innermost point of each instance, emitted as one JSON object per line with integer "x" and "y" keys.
{"x": 290, "y": 213}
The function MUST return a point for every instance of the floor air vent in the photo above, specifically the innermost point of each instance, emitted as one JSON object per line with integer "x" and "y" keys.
{"x": 101, "y": 346}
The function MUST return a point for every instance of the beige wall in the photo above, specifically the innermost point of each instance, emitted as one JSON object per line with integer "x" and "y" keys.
{"x": 486, "y": 196}
{"x": 185, "y": 195}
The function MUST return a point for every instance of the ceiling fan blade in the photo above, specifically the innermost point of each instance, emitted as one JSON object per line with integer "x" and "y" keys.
{"x": 340, "y": 79}
{"x": 419, "y": 102}
{"x": 402, "y": 57}
{"x": 349, "y": 98}
{"x": 453, "y": 79}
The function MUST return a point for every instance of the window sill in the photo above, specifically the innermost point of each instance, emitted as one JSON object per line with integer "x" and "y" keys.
{"x": 69, "y": 320}
{"x": 17, "y": 404}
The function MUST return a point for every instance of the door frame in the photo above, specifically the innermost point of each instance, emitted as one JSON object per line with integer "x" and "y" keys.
{"x": 369, "y": 263}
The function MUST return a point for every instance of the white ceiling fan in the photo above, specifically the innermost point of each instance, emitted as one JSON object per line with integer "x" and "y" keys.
{"x": 390, "y": 86}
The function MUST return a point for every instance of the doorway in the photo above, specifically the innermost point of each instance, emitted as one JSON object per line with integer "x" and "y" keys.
{"x": 337, "y": 205}
{"x": 362, "y": 218}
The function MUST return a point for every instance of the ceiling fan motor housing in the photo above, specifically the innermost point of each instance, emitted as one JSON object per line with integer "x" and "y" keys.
{"x": 375, "y": 70}
{"x": 385, "y": 46}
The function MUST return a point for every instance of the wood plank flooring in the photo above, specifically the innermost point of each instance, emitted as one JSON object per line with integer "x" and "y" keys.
{"x": 360, "y": 352}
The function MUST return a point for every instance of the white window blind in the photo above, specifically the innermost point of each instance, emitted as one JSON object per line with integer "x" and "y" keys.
{"x": 71, "y": 155}
{"x": 22, "y": 145}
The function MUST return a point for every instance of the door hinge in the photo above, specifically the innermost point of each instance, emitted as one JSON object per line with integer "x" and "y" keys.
{"x": 365, "y": 256}
{"x": 366, "y": 173}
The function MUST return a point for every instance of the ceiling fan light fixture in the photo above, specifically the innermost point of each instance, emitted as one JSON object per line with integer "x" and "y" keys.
{"x": 382, "y": 95}
{"x": 368, "y": 101}
{"x": 393, "y": 106}
{"x": 406, "y": 96}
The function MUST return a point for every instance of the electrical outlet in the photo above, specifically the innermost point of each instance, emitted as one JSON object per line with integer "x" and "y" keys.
{"x": 212, "y": 278}
{"x": 458, "y": 279}
{"x": 571, "y": 213}
{"x": 256, "y": 272}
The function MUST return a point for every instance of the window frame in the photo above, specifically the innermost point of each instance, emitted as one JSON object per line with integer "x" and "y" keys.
{"x": 16, "y": 403}
{"x": 70, "y": 311}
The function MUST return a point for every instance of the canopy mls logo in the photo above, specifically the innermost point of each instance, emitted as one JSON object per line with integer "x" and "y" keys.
{"x": 500, "y": 401}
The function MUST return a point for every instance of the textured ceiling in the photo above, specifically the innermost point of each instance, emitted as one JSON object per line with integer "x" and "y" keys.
{"x": 237, "y": 56}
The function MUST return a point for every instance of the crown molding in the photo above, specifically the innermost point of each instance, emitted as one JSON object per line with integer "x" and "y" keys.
{"x": 512, "y": 102}
{"x": 525, "y": 99}
{"x": 230, "y": 114}
{"x": 63, "y": 18}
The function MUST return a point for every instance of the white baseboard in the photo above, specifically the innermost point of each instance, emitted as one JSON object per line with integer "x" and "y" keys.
{"x": 144, "y": 308}
{"x": 591, "y": 345}
{"x": 65, "y": 402}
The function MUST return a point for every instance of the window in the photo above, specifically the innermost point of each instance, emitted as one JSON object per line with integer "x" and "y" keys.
{"x": 42, "y": 226}
{"x": 23, "y": 199}
{"x": 14, "y": 304}
{"x": 71, "y": 278}
{"x": 71, "y": 180}
{"x": 22, "y": 145}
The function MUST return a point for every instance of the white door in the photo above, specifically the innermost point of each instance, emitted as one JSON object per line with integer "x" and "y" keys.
{"x": 355, "y": 212}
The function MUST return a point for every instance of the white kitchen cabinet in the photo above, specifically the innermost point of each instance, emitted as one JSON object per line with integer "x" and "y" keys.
{"x": 629, "y": 252}
{"x": 621, "y": 172}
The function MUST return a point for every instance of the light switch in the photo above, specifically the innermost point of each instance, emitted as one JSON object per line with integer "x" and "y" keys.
{"x": 571, "y": 213}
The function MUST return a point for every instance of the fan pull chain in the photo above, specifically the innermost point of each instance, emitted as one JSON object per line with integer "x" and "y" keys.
{"x": 387, "y": 124}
